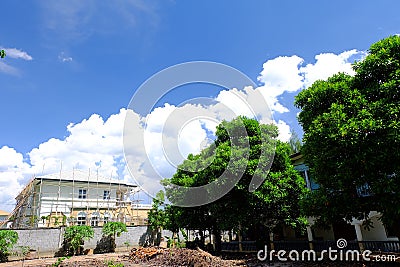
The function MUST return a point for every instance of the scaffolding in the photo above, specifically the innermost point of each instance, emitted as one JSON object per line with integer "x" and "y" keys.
{"x": 44, "y": 201}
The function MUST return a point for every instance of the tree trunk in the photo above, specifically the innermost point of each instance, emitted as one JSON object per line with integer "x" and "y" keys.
{"x": 173, "y": 239}
{"x": 202, "y": 239}
{"x": 240, "y": 238}
{"x": 217, "y": 240}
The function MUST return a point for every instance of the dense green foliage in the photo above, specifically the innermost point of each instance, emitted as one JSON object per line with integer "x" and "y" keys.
{"x": 2, "y": 53}
{"x": 8, "y": 238}
{"x": 114, "y": 229}
{"x": 352, "y": 140}
{"x": 274, "y": 202}
{"x": 75, "y": 236}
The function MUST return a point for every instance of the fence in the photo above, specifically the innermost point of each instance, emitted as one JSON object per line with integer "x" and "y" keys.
{"x": 381, "y": 246}
{"x": 249, "y": 246}
{"x": 318, "y": 246}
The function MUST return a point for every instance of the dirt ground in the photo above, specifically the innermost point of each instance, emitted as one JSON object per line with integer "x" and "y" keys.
{"x": 84, "y": 260}
{"x": 147, "y": 257}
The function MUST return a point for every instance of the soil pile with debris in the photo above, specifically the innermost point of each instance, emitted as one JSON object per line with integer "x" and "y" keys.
{"x": 153, "y": 256}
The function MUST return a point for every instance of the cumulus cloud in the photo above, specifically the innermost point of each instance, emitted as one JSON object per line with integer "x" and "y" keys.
{"x": 287, "y": 74}
{"x": 15, "y": 54}
{"x": 173, "y": 132}
{"x": 280, "y": 75}
{"x": 161, "y": 140}
{"x": 284, "y": 131}
{"x": 328, "y": 64}
{"x": 13, "y": 173}
{"x": 93, "y": 143}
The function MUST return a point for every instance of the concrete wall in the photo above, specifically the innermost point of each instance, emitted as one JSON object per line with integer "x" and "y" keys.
{"x": 43, "y": 240}
{"x": 49, "y": 240}
{"x": 378, "y": 233}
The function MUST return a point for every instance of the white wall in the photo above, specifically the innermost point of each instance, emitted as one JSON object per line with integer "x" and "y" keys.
{"x": 378, "y": 233}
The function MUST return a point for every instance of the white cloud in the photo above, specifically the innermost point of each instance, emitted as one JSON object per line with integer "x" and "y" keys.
{"x": 282, "y": 74}
{"x": 17, "y": 53}
{"x": 13, "y": 174}
{"x": 64, "y": 58}
{"x": 93, "y": 143}
{"x": 284, "y": 131}
{"x": 287, "y": 75}
{"x": 12, "y": 53}
{"x": 5, "y": 68}
{"x": 278, "y": 76}
{"x": 326, "y": 65}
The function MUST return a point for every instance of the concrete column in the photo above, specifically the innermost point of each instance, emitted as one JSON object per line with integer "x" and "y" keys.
{"x": 357, "y": 226}
{"x": 358, "y": 232}
{"x": 310, "y": 237}
{"x": 271, "y": 240}
{"x": 61, "y": 236}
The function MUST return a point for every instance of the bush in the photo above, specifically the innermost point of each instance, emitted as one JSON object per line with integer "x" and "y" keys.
{"x": 8, "y": 238}
{"x": 112, "y": 230}
{"x": 74, "y": 238}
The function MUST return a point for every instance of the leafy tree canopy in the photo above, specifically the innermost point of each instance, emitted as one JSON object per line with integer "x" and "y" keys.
{"x": 352, "y": 140}
{"x": 114, "y": 229}
{"x": 251, "y": 150}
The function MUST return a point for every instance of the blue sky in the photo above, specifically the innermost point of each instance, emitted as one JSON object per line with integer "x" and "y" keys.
{"x": 73, "y": 59}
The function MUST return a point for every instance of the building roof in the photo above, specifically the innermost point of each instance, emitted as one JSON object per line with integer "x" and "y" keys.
{"x": 82, "y": 176}
{"x": 4, "y": 213}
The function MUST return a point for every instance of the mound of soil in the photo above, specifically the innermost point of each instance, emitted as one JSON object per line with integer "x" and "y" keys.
{"x": 179, "y": 257}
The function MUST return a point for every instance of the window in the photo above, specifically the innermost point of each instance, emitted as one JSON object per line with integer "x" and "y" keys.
{"x": 107, "y": 217}
{"x": 119, "y": 196}
{"x": 305, "y": 173}
{"x": 82, "y": 193}
{"x": 94, "y": 219}
{"x": 364, "y": 190}
{"x": 81, "y": 220}
{"x": 106, "y": 194}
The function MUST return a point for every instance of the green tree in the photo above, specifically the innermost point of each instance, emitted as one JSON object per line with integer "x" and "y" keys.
{"x": 163, "y": 216}
{"x": 2, "y": 53}
{"x": 156, "y": 216}
{"x": 112, "y": 230}
{"x": 75, "y": 236}
{"x": 351, "y": 138}
{"x": 251, "y": 150}
{"x": 8, "y": 238}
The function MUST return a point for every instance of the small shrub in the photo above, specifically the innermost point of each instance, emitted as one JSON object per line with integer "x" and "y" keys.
{"x": 8, "y": 238}
{"x": 74, "y": 238}
{"x": 22, "y": 251}
{"x": 60, "y": 260}
{"x": 175, "y": 243}
{"x": 111, "y": 263}
{"x": 127, "y": 244}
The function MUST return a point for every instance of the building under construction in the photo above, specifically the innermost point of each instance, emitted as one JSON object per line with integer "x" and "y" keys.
{"x": 76, "y": 198}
